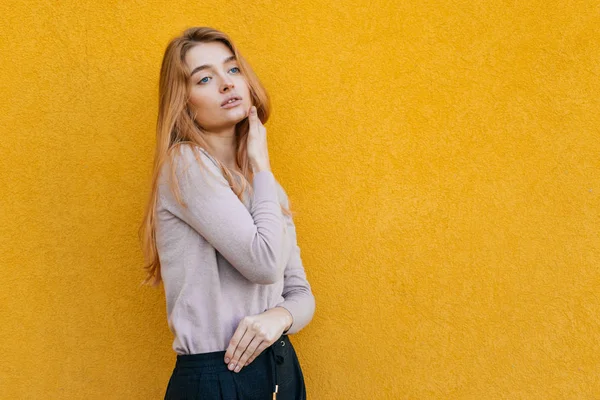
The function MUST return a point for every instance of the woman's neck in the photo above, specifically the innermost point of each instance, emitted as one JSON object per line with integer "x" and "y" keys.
{"x": 223, "y": 147}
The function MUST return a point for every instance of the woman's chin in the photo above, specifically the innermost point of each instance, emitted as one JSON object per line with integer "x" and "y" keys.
{"x": 237, "y": 115}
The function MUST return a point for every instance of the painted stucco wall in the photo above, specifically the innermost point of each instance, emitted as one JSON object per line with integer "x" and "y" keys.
{"x": 443, "y": 159}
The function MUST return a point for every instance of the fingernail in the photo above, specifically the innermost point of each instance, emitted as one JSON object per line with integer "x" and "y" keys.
{"x": 253, "y": 109}
{"x": 237, "y": 369}
{"x": 231, "y": 366}
{"x": 226, "y": 360}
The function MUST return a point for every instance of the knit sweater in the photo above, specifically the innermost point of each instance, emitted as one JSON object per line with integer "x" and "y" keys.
{"x": 223, "y": 259}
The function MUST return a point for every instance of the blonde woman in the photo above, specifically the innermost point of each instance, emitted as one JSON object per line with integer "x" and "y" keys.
{"x": 218, "y": 232}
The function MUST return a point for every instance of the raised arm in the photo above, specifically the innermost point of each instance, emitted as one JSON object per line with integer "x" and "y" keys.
{"x": 250, "y": 240}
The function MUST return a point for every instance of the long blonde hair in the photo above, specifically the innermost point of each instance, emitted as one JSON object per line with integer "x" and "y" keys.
{"x": 176, "y": 126}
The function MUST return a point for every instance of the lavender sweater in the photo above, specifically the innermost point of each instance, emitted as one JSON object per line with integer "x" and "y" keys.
{"x": 223, "y": 259}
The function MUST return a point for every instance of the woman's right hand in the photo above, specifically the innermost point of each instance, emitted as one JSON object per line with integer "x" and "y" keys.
{"x": 258, "y": 151}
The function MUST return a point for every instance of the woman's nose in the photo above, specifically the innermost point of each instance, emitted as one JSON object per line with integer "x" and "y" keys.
{"x": 227, "y": 85}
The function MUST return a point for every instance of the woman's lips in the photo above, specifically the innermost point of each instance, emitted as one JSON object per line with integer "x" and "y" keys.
{"x": 232, "y": 104}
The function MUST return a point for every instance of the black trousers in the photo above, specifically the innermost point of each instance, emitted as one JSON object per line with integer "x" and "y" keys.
{"x": 206, "y": 377}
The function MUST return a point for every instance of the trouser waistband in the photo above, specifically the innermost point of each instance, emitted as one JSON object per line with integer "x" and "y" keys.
{"x": 214, "y": 361}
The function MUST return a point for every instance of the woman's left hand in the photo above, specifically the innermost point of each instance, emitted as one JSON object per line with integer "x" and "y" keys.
{"x": 254, "y": 334}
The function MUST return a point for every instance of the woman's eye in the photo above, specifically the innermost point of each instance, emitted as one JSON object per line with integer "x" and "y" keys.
{"x": 206, "y": 77}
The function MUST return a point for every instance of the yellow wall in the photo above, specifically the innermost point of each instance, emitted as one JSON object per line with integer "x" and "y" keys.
{"x": 442, "y": 157}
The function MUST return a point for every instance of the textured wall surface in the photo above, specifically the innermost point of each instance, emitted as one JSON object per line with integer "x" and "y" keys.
{"x": 443, "y": 159}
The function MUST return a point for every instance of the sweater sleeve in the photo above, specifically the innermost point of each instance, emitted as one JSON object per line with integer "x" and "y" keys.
{"x": 250, "y": 240}
{"x": 298, "y": 297}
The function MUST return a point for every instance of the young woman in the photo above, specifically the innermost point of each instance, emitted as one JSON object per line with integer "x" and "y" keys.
{"x": 225, "y": 249}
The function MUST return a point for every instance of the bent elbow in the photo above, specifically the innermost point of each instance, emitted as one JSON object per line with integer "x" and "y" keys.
{"x": 267, "y": 270}
{"x": 267, "y": 277}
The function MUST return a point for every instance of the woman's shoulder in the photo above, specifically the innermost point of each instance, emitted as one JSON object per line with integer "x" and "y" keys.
{"x": 187, "y": 150}
{"x": 185, "y": 159}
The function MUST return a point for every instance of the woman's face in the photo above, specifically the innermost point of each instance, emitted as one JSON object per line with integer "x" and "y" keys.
{"x": 215, "y": 77}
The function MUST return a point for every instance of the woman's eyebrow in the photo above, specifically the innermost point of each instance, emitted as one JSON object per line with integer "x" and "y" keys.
{"x": 206, "y": 66}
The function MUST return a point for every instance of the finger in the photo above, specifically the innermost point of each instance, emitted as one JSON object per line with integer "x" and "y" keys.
{"x": 241, "y": 348}
{"x": 258, "y": 351}
{"x": 255, "y": 122}
{"x": 252, "y": 346}
{"x": 235, "y": 339}
{"x": 252, "y": 117}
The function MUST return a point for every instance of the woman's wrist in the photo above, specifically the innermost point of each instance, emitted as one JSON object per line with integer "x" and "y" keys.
{"x": 287, "y": 318}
